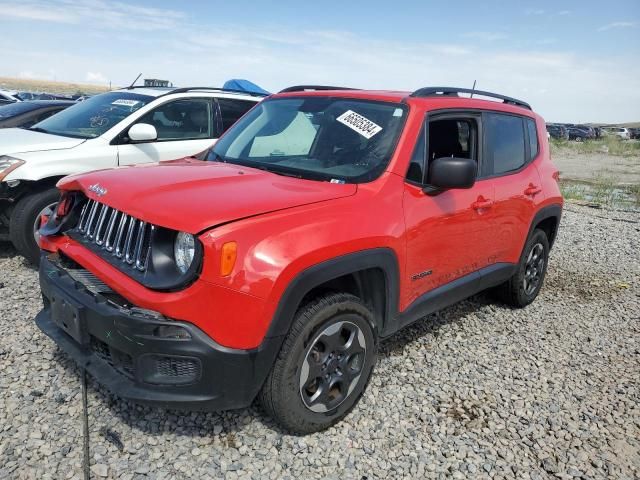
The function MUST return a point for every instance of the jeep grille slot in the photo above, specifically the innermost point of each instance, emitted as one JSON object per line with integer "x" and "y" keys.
{"x": 123, "y": 236}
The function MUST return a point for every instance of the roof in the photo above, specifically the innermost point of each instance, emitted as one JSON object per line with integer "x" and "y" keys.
{"x": 150, "y": 91}
{"x": 160, "y": 91}
{"x": 430, "y": 102}
{"x": 379, "y": 95}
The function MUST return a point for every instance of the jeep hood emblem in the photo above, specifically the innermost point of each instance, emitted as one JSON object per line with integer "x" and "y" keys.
{"x": 97, "y": 189}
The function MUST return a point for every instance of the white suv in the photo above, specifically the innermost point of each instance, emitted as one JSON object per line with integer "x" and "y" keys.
{"x": 623, "y": 133}
{"x": 123, "y": 127}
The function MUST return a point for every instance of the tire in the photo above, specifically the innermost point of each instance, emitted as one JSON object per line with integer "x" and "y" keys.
{"x": 296, "y": 393}
{"x": 23, "y": 221}
{"x": 516, "y": 291}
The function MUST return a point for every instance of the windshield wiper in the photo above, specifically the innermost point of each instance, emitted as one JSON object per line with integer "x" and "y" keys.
{"x": 38, "y": 129}
{"x": 266, "y": 168}
{"x": 285, "y": 174}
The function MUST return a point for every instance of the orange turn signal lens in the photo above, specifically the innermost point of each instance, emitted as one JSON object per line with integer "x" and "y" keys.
{"x": 228, "y": 258}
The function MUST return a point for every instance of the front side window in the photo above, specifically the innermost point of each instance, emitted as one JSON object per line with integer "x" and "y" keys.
{"x": 450, "y": 138}
{"x": 93, "y": 117}
{"x": 504, "y": 137}
{"x": 186, "y": 119}
{"x": 231, "y": 110}
{"x": 322, "y": 138}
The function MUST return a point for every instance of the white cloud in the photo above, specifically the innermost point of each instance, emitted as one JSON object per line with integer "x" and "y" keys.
{"x": 110, "y": 15}
{"x": 33, "y": 11}
{"x": 560, "y": 85}
{"x": 534, "y": 11}
{"x": 95, "y": 77}
{"x": 612, "y": 25}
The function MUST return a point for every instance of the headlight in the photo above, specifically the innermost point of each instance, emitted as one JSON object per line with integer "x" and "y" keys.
{"x": 184, "y": 250}
{"x": 8, "y": 165}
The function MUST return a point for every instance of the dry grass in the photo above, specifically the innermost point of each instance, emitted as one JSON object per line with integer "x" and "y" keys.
{"x": 611, "y": 145}
{"x": 62, "y": 88}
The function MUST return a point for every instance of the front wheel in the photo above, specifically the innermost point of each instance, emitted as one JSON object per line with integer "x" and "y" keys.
{"x": 525, "y": 284}
{"x": 324, "y": 365}
{"x": 25, "y": 222}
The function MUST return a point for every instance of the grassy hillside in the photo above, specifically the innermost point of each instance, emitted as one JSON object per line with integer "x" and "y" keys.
{"x": 49, "y": 87}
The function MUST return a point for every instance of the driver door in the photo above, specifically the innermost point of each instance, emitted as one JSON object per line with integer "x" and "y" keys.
{"x": 449, "y": 233}
{"x": 185, "y": 127}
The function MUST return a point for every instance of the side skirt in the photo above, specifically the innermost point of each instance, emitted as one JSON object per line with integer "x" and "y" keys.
{"x": 453, "y": 292}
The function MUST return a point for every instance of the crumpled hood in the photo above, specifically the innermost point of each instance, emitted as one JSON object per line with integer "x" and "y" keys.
{"x": 191, "y": 195}
{"x": 19, "y": 140}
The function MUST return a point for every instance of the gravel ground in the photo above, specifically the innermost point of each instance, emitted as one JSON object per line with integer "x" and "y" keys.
{"x": 476, "y": 391}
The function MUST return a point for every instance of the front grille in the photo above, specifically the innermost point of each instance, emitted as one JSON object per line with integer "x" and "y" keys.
{"x": 89, "y": 280}
{"x": 123, "y": 236}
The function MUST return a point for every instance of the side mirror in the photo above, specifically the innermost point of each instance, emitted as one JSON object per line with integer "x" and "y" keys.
{"x": 452, "y": 172}
{"x": 142, "y": 132}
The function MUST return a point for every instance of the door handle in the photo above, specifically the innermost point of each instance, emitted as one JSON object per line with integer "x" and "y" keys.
{"x": 532, "y": 190}
{"x": 481, "y": 204}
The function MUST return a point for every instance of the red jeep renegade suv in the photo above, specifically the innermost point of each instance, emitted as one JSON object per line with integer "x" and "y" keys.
{"x": 323, "y": 221}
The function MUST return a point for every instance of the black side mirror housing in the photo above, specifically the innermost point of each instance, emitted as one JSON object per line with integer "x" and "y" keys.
{"x": 451, "y": 172}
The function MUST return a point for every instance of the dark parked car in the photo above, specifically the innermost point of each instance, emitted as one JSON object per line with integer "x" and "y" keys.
{"x": 558, "y": 131}
{"x": 634, "y": 133}
{"x": 580, "y": 133}
{"x": 26, "y": 96}
{"x": 28, "y": 113}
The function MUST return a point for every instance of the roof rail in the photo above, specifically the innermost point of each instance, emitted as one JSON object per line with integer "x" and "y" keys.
{"x": 306, "y": 88}
{"x": 453, "y": 92}
{"x": 133, "y": 87}
{"x": 217, "y": 89}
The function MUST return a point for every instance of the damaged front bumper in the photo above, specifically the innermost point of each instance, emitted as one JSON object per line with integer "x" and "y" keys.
{"x": 141, "y": 355}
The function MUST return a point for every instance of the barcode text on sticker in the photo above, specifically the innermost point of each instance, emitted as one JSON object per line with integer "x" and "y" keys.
{"x": 360, "y": 124}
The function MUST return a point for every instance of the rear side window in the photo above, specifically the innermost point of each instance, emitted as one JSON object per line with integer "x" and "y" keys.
{"x": 533, "y": 138}
{"x": 504, "y": 142}
{"x": 231, "y": 110}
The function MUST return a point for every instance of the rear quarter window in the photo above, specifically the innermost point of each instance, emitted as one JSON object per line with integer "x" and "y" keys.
{"x": 504, "y": 142}
{"x": 231, "y": 110}
{"x": 533, "y": 138}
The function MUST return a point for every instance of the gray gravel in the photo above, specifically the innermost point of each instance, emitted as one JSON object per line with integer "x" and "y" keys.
{"x": 476, "y": 391}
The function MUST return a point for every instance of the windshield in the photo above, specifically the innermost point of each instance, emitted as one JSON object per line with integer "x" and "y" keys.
{"x": 13, "y": 109}
{"x": 321, "y": 138}
{"x": 93, "y": 117}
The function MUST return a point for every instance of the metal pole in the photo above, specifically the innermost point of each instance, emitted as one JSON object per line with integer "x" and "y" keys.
{"x": 85, "y": 425}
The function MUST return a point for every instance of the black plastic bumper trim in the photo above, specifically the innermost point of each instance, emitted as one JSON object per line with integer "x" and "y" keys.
{"x": 229, "y": 378}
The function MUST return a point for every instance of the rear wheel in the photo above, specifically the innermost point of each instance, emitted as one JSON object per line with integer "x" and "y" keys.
{"x": 523, "y": 287}
{"x": 25, "y": 222}
{"x": 324, "y": 365}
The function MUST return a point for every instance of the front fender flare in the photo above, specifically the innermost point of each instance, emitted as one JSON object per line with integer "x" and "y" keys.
{"x": 382, "y": 258}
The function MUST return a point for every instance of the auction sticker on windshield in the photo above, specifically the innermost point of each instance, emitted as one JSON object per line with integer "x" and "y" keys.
{"x": 125, "y": 103}
{"x": 360, "y": 124}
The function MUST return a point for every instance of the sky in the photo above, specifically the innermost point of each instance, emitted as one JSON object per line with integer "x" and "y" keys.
{"x": 573, "y": 61}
